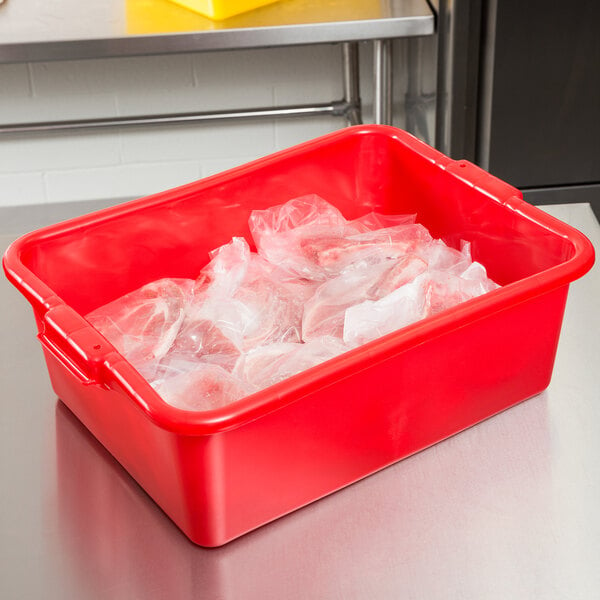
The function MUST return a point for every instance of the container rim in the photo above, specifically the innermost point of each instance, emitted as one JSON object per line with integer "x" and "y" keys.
{"x": 112, "y": 371}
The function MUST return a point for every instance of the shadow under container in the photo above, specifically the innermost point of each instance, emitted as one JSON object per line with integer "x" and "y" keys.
{"x": 218, "y": 474}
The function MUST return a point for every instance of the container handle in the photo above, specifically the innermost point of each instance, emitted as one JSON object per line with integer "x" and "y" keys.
{"x": 71, "y": 340}
{"x": 53, "y": 349}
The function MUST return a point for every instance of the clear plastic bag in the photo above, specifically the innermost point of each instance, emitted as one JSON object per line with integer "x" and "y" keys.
{"x": 200, "y": 339}
{"x": 445, "y": 290}
{"x": 318, "y": 286}
{"x": 399, "y": 273}
{"x": 245, "y": 300}
{"x": 428, "y": 294}
{"x": 372, "y": 221}
{"x": 289, "y": 234}
{"x": 266, "y": 365}
{"x": 309, "y": 211}
{"x": 324, "y": 313}
{"x": 440, "y": 257}
{"x": 310, "y": 239}
{"x": 202, "y": 387}
{"x": 143, "y": 324}
{"x": 372, "y": 319}
{"x": 390, "y": 243}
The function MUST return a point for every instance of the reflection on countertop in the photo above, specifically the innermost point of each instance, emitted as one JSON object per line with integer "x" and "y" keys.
{"x": 381, "y": 533}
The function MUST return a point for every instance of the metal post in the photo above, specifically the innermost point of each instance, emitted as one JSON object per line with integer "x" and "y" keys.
{"x": 382, "y": 73}
{"x": 351, "y": 78}
{"x": 416, "y": 102}
{"x": 462, "y": 75}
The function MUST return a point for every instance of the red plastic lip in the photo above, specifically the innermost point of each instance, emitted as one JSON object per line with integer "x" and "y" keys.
{"x": 121, "y": 374}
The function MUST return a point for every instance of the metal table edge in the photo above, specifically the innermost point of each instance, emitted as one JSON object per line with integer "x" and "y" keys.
{"x": 225, "y": 39}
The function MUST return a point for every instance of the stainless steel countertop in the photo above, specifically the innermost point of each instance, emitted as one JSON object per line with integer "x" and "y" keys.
{"x": 31, "y": 30}
{"x": 506, "y": 509}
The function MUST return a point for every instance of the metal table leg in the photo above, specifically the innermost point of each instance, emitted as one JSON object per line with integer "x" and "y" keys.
{"x": 416, "y": 101}
{"x": 351, "y": 79}
{"x": 382, "y": 73}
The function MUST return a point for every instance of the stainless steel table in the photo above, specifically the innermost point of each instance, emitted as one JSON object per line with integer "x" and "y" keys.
{"x": 71, "y": 29}
{"x": 506, "y": 509}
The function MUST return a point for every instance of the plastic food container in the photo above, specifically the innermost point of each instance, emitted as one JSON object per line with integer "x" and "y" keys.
{"x": 222, "y": 9}
{"x": 221, "y": 473}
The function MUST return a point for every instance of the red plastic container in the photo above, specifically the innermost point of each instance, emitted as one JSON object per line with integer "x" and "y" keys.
{"x": 221, "y": 473}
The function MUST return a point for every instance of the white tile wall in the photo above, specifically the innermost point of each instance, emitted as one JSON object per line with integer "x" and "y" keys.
{"x": 14, "y": 81}
{"x": 21, "y": 188}
{"x": 292, "y": 130}
{"x": 36, "y": 152}
{"x": 117, "y": 75}
{"x": 118, "y": 181}
{"x": 126, "y": 162}
{"x": 198, "y": 141}
{"x": 17, "y": 108}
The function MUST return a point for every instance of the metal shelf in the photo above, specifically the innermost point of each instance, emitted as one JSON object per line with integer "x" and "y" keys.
{"x": 71, "y": 29}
